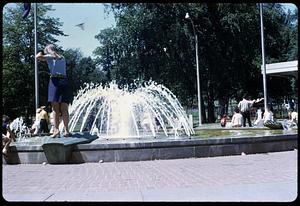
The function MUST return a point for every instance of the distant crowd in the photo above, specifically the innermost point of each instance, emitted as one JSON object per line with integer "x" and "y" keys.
{"x": 241, "y": 116}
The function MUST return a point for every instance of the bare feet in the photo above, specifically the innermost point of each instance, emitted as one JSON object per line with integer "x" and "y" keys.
{"x": 55, "y": 134}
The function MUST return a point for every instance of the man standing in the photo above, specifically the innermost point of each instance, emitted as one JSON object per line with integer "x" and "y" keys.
{"x": 44, "y": 120}
{"x": 244, "y": 107}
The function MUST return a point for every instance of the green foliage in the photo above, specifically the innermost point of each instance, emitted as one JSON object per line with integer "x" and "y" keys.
{"x": 154, "y": 41}
{"x": 81, "y": 70}
{"x": 148, "y": 43}
{"x": 18, "y": 58}
{"x": 18, "y": 61}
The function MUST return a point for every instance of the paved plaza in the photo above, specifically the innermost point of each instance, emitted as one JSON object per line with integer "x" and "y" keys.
{"x": 257, "y": 177}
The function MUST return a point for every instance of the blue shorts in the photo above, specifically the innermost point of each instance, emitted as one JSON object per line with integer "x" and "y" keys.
{"x": 58, "y": 90}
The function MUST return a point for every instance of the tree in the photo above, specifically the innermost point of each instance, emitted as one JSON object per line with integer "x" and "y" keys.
{"x": 154, "y": 41}
{"x": 18, "y": 58}
{"x": 149, "y": 42}
{"x": 281, "y": 45}
{"x": 82, "y": 70}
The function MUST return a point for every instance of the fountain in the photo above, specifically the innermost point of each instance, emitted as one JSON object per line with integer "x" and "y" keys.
{"x": 259, "y": 122}
{"x": 20, "y": 129}
{"x": 140, "y": 122}
{"x": 134, "y": 111}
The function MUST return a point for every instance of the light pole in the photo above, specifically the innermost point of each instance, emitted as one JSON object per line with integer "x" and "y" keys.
{"x": 36, "y": 72}
{"x": 263, "y": 55}
{"x": 197, "y": 64}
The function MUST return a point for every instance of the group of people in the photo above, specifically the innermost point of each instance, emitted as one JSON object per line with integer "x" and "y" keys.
{"x": 242, "y": 114}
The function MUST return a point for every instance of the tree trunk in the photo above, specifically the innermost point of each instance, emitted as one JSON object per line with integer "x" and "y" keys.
{"x": 226, "y": 106}
{"x": 203, "y": 114}
{"x": 210, "y": 102}
{"x": 211, "y": 110}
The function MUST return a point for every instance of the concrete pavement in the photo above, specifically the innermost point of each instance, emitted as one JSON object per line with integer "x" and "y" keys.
{"x": 259, "y": 177}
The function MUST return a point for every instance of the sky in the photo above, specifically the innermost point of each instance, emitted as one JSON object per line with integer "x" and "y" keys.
{"x": 289, "y": 6}
{"x": 71, "y": 14}
{"x": 94, "y": 19}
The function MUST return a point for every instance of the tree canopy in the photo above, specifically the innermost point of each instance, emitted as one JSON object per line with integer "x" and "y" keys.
{"x": 155, "y": 41}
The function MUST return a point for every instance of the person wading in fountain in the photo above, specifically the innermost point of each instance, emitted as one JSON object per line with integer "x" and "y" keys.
{"x": 58, "y": 89}
{"x": 245, "y": 106}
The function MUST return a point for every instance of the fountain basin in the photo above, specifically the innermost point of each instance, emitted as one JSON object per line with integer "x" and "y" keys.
{"x": 117, "y": 150}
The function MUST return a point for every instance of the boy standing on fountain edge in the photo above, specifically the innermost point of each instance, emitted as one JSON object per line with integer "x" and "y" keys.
{"x": 58, "y": 89}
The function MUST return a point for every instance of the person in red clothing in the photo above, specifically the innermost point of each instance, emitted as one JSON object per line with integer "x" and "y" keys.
{"x": 223, "y": 120}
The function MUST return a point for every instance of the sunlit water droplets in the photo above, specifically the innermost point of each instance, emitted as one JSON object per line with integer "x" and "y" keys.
{"x": 131, "y": 111}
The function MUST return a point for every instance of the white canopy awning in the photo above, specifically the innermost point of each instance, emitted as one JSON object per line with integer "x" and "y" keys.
{"x": 282, "y": 69}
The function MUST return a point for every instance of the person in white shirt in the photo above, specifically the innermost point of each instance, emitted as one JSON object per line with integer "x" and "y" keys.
{"x": 36, "y": 125}
{"x": 268, "y": 115}
{"x": 237, "y": 118}
{"x": 259, "y": 122}
{"x": 244, "y": 107}
{"x": 293, "y": 117}
{"x": 51, "y": 123}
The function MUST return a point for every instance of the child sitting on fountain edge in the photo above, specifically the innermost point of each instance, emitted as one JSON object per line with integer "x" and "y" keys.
{"x": 7, "y": 135}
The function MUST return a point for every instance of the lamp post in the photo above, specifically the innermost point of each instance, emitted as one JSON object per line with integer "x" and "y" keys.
{"x": 197, "y": 64}
{"x": 36, "y": 72}
{"x": 263, "y": 55}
